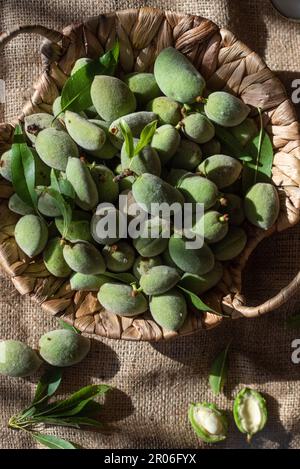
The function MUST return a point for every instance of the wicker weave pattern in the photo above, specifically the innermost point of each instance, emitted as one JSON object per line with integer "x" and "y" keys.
{"x": 226, "y": 63}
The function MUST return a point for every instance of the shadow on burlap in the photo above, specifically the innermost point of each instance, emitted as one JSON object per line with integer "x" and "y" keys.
{"x": 155, "y": 383}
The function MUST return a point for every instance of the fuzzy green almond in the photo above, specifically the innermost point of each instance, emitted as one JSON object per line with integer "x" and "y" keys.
{"x": 169, "y": 309}
{"x": 121, "y": 299}
{"x": 87, "y": 282}
{"x": 63, "y": 347}
{"x": 54, "y": 259}
{"x": 31, "y": 234}
{"x": 177, "y": 77}
{"x": 111, "y": 97}
{"x": 188, "y": 155}
{"x": 159, "y": 280}
{"x": 35, "y": 123}
{"x": 119, "y": 257}
{"x": 17, "y": 359}
{"x": 225, "y": 109}
{"x": 84, "y": 258}
{"x": 17, "y": 205}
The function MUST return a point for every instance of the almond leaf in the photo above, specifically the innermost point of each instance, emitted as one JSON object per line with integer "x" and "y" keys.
{"x": 52, "y": 442}
{"x": 23, "y": 169}
{"x": 218, "y": 371}
{"x": 76, "y": 93}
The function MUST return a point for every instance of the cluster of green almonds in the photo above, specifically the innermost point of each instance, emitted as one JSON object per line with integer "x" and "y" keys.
{"x": 61, "y": 348}
{"x": 183, "y": 163}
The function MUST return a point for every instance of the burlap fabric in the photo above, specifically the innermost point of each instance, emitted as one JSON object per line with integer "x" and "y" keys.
{"x": 155, "y": 383}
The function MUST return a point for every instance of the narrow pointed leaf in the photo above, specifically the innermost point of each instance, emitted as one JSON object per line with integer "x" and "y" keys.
{"x": 23, "y": 169}
{"x": 261, "y": 150}
{"x": 53, "y": 442}
{"x": 198, "y": 303}
{"x": 218, "y": 372}
{"x": 48, "y": 384}
{"x": 65, "y": 325}
{"x": 145, "y": 137}
{"x": 64, "y": 207}
{"x": 122, "y": 277}
{"x": 231, "y": 144}
{"x": 61, "y": 185}
{"x": 128, "y": 138}
{"x": 79, "y": 398}
{"x": 110, "y": 59}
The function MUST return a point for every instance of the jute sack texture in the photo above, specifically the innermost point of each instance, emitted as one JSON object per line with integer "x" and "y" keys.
{"x": 170, "y": 375}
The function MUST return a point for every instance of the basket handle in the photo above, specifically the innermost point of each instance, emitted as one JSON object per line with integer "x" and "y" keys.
{"x": 50, "y": 34}
{"x": 282, "y": 297}
{"x": 50, "y": 51}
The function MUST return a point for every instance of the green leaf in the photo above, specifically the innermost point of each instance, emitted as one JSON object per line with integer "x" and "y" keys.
{"x": 260, "y": 148}
{"x": 123, "y": 277}
{"x": 48, "y": 384}
{"x": 218, "y": 371}
{"x": 76, "y": 402}
{"x": 61, "y": 184}
{"x": 91, "y": 409}
{"x": 110, "y": 59}
{"x": 128, "y": 138}
{"x": 52, "y": 442}
{"x": 23, "y": 169}
{"x": 72, "y": 421}
{"x": 85, "y": 421}
{"x": 28, "y": 412}
{"x": 55, "y": 421}
{"x": 197, "y": 302}
{"x": 145, "y": 137}
{"x": 65, "y": 325}
{"x": 231, "y": 145}
{"x": 76, "y": 94}
{"x": 293, "y": 322}
{"x": 64, "y": 207}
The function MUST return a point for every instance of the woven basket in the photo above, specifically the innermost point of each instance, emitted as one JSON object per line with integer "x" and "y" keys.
{"x": 226, "y": 63}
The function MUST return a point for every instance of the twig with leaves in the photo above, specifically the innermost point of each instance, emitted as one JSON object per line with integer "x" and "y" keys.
{"x": 76, "y": 411}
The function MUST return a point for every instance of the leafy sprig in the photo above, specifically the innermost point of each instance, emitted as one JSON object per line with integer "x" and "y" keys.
{"x": 76, "y": 411}
{"x": 144, "y": 140}
{"x": 76, "y": 93}
{"x": 23, "y": 169}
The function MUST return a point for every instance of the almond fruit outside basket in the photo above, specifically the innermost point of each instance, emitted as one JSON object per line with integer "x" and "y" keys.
{"x": 226, "y": 63}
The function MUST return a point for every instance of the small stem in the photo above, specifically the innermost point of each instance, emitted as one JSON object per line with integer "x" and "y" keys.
{"x": 223, "y": 202}
{"x": 135, "y": 290}
{"x": 179, "y": 125}
{"x": 224, "y": 218}
{"x": 19, "y": 424}
{"x": 124, "y": 174}
{"x": 114, "y": 130}
{"x": 200, "y": 99}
